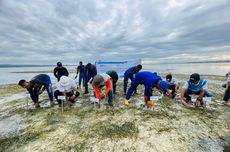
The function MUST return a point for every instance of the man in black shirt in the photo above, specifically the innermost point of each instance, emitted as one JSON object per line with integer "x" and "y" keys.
{"x": 60, "y": 71}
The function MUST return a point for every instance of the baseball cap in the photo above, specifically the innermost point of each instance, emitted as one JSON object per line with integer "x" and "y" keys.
{"x": 164, "y": 85}
{"x": 59, "y": 64}
{"x": 194, "y": 77}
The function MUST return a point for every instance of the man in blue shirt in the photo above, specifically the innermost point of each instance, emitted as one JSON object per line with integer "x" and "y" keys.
{"x": 196, "y": 86}
{"x": 129, "y": 75}
{"x": 36, "y": 86}
{"x": 60, "y": 71}
{"x": 89, "y": 72}
{"x": 149, "y": 80}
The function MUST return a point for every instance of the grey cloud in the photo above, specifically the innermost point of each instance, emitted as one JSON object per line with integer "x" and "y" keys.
{"x": 110, "y": 30}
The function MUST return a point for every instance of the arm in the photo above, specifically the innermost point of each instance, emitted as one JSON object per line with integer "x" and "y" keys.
{"x": 108, "y": 86}
{"x": 183, "y": 99}
{"x": 34, "y": 95}
{"x": 74, "y": 93}
{"x": 55, "y": 72}
{"x": 41, "y": 89}
{"x": 97, "y": 92}
{"x": 199, "y": 99}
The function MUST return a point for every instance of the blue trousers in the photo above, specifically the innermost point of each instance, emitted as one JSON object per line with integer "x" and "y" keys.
{"x": 81, "y": 78}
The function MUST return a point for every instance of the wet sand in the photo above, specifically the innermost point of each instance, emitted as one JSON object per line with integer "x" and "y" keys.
{"x": 170, "y": 127}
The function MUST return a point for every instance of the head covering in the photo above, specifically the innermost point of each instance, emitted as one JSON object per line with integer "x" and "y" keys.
{"x": 194, "y": 77}
{"x": 64, "y": 81}
{"x": 59, "y": 64}
{"x": 98, "y": 80}
{"x": 164, "y": 85}
{"x": 169, "y": 77}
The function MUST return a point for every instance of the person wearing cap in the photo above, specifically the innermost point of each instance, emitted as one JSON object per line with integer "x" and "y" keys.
{"x": 68, "y": 88}
{"x": 173, "y": 84}
{"x": 60, "y": 71}
{"x": 129, "y": 74}
{"x": 113, "y": 74}
{"x": 89, "y": 72}
{"x": 99, "y": 81}
{"x": 149, "y": 80}
{"x": 80, "y": 70}
{"x": 196, "y": 86}
{"x": 36, "y": 86}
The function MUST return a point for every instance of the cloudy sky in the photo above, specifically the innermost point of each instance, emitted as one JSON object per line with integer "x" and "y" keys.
{"x": 46, "y": 31}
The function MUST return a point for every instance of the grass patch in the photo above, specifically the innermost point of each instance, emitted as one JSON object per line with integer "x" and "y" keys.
{"x": 165, "y": 128}
{"x": 128, "y": 129}
{"x": 18, "y": 140}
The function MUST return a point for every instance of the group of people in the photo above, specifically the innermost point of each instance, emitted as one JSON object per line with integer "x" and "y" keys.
{"x": 105, "y": 85}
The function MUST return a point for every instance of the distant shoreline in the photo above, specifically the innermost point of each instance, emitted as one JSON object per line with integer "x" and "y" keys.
{"x": 51, "y": 65}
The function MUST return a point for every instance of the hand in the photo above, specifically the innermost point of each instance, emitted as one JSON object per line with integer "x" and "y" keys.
{"x": 103, "y": 95}
{"x": 197, "y": 103}
{"x": 73, "y": 97}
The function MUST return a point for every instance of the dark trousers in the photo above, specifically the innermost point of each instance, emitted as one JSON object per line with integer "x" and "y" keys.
{"x": 68, "y": 94}
{"x": 188, "y": 92}
{"x": 114, "y": 80}
{"x": 227, "y": 94}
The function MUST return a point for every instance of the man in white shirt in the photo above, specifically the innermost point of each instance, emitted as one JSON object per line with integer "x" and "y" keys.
{"x": 173, "y": 84}
{"x": 68, "y": 88}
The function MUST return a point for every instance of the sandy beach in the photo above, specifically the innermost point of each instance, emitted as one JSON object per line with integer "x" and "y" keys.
{"x": 170, "y": 127}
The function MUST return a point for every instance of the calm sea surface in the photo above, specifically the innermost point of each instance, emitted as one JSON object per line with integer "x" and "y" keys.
{"x": 11, "y": 75}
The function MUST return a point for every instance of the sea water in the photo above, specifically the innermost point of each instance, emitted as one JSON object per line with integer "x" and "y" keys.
{"x": 10, "y": 75}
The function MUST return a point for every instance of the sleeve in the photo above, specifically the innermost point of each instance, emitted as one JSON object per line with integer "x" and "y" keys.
{"x": 34, "y": 95}
{"x": 205, "y": 87}
{"x": 78, "y": 69}
{"x": 108, "y": 86}
{"x": 175, "y": 82}
{"x": 55, "y": 72}
{"x": 185, "y": 85}
{"x": 67, "y": 73}
{"x": 97, "y": 92}
{"x": 131, "y": 77}
{"x": 228, "y": 80}
{"x": 148, "y": 90}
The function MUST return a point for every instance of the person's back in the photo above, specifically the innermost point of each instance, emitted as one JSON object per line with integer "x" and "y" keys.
{"x": 147, "y": 78}
{"x": 39, "y": 80}
{"x": 112, "y": 74}
{"x": 130, "y": 71}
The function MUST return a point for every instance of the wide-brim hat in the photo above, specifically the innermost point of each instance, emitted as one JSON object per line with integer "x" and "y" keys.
{"x": 64, "y": 81}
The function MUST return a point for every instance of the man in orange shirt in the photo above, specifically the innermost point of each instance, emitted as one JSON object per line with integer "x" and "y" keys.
{"x": 99, "y": 81}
